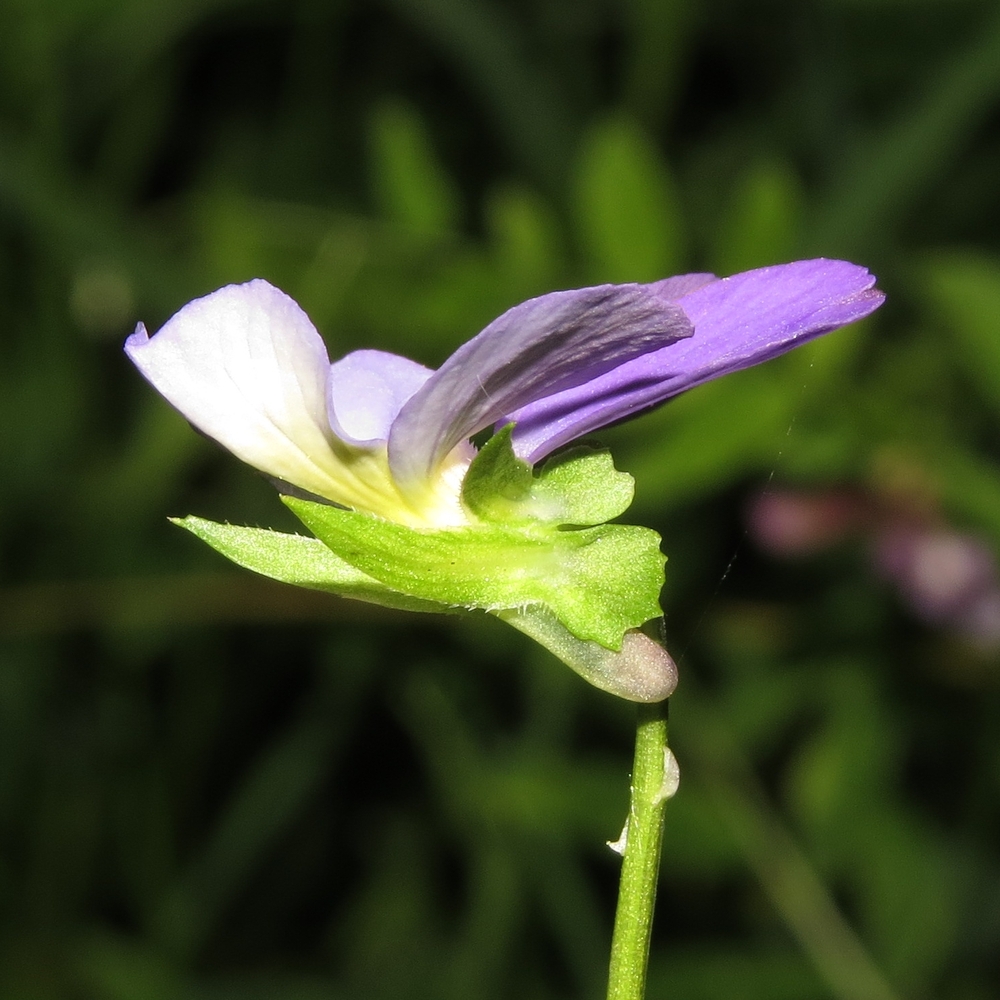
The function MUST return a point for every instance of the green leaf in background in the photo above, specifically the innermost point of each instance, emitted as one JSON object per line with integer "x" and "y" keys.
{"x": 964, "y": 289}
{"x": 527, "y": 243}
{"x": 579, "y": 486}
{"x": 970, "y": 486}
{"x": 627, "y": 210}
{"x": 410, "y": 184}
{"x": 599, "y": 581}
{"x": 659, "y": 32}
{"x": 763, "y": 221}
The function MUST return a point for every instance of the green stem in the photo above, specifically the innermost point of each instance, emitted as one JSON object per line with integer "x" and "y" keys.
{"x": 641, "y": 864}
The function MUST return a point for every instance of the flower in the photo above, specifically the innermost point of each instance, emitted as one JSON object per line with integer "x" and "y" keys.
{"x": 940, "y": 572}
{"x": 418, "y": 519}
{"x": 380, "y": 433}
{"x": 790, "y": 523}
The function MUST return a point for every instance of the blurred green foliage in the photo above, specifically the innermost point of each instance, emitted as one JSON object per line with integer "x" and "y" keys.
{"x": 213, "y": 787}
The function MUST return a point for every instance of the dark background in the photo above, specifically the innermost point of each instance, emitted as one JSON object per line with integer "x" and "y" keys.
{"x": 215, "y": 787}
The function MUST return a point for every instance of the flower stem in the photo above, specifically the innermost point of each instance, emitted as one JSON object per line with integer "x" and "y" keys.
{"x": 641, "y": 864}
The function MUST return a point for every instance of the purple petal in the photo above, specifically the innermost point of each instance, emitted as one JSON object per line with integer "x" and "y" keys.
{"x": 939, "y": 571}
{"x": 738, "y": 322}
{"x": 367, "y": 389}
{"x": 537, "y": 348}
{"x": 246, "y": 366}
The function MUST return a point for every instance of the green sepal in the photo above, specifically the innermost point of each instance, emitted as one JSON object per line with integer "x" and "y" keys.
{"x": 497, "y": 482}
{"x": 598, "y": 581}
{"x": 298, "y": 560}
{"x": 578, "y": 486}
{"x": 641, "y": 671}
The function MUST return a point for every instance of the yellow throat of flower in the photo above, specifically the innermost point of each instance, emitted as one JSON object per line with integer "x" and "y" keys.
{"x": 360, "y": 478}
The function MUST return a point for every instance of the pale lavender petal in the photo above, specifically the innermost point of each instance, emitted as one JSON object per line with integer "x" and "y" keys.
{"x": 738, "y": 322}
{"x": 940, "y": 572}
{"x": 980, "y": 623}
{"x": 537, "y": 348}
{"x": 682, "y": 284}
{"x": 367, "y": 389}
{"x": 246, "y": 366}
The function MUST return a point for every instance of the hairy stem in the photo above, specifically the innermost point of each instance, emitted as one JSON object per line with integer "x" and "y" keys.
{"x": 643, "y": 838}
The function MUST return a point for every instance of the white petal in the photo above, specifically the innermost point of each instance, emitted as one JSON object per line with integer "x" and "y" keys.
{"x": 246, "y": 366}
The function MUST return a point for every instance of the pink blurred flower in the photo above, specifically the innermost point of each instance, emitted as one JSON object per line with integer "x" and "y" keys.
{"x": 785, "y": 523}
